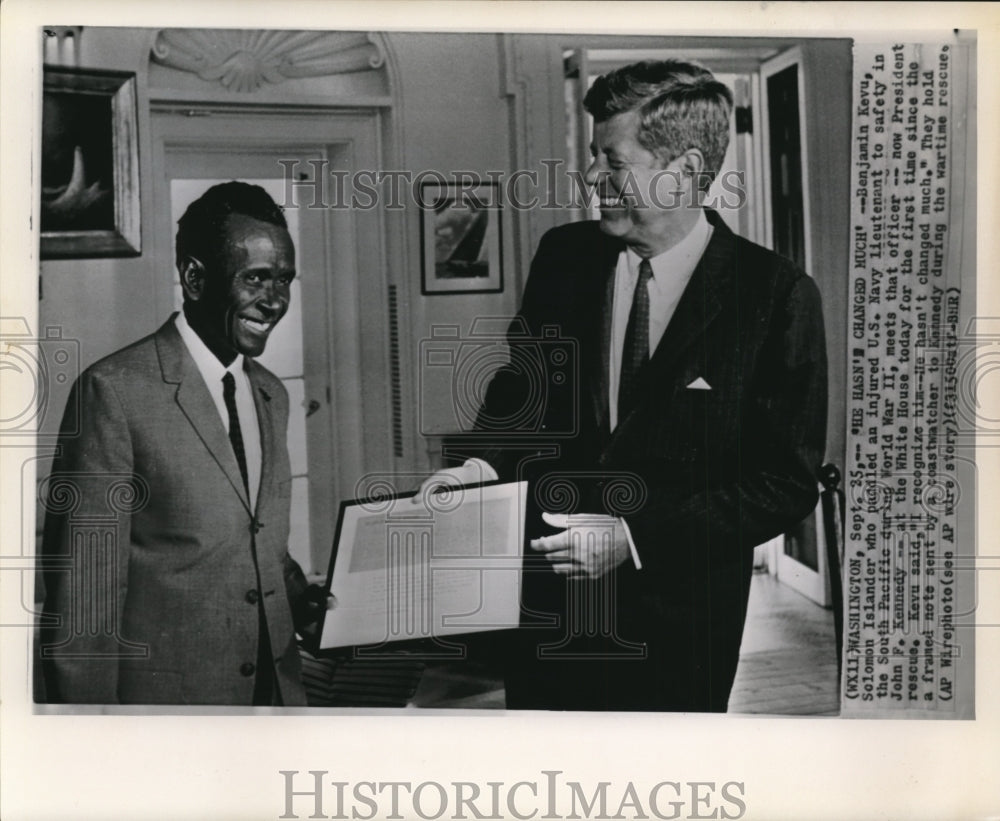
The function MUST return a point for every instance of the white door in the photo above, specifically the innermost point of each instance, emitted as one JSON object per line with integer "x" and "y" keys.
{"x": 318, "y": 350}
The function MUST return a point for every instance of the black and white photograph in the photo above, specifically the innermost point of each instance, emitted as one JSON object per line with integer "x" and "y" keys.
{"x": 392, "y": 388}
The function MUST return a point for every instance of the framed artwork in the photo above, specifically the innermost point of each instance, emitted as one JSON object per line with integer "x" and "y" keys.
{"x": 90, "y": 164}
{"x": 461, "y": 238}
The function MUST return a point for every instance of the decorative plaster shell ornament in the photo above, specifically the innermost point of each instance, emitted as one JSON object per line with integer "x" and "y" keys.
{"x": 243, "y": 60}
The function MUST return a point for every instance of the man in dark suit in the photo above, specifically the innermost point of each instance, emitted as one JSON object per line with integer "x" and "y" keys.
{"x": 166, "y": 538}
{"x": 690, "y": 431}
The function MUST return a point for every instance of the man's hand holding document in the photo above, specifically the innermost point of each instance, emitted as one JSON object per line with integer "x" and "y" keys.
{"x": 443, "y": 561}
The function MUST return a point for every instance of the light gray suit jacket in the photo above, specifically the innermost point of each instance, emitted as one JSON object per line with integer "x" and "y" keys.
{"x": 151, "y": 550}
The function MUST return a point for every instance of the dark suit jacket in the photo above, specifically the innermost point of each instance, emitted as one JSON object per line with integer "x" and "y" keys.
{"x": 700, "y": 476}
{"x": 151, "y": 548}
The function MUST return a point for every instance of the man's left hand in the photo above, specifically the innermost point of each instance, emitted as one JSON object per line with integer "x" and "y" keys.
{"x": 590, "y": 546}
{"x": 315, "y": 602}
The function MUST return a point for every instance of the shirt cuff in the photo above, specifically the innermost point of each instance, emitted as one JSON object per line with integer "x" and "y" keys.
{"x": 484, "y": 470}
{"x": 631, "y": 546}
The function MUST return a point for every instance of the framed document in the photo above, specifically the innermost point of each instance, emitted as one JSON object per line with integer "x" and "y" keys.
{"x": 407, "y": 567}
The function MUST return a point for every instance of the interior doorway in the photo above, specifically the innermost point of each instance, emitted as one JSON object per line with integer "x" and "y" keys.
{"x": 330, "y": 369}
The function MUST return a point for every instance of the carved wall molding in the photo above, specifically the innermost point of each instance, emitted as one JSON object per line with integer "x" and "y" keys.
{"x": 244, "y": 60}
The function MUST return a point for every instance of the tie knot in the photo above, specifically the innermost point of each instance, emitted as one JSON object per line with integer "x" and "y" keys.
{"x": 645, "y": 271}
{"x": 228, "y": 385}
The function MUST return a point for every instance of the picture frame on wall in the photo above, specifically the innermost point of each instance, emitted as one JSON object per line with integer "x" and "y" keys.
{"x": 90, "y": 164}
{"x": 461, "y": 238}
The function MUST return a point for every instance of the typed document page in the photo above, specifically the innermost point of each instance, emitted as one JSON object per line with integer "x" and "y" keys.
{"x": 409, "y": 567}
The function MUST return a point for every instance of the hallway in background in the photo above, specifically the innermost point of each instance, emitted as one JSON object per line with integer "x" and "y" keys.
{"x": 788, "y": 662}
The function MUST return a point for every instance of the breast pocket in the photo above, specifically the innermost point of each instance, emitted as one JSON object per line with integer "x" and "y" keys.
{"x": 685, "y": 425}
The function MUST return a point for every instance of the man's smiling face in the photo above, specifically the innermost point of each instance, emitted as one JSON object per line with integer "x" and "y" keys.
{"x": 639, "y": 196}
{"x": 240, "y": 303}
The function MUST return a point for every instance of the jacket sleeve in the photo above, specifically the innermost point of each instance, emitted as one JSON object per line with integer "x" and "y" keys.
{"x": 784, "y": 447}
{"x": 85, "y": 548}
{"x": 513, "y": 405}
{"x": 296, "y": 586}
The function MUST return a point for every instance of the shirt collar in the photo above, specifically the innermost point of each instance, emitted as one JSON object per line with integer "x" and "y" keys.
{"x": 680, "y": 259}
{"x": 211, "y": 369}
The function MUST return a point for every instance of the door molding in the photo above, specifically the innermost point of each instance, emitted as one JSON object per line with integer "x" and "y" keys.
{"x": 789, "y": 57}
{"x": 347, "y": 363}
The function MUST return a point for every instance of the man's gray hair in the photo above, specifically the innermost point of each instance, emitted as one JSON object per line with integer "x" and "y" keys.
{"x": 681, "y": 106}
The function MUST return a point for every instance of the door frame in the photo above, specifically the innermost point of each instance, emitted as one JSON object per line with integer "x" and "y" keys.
{"x": 768, "y": 68}
{"x": 813, "y": 584}
{"x": 348, "y": 372}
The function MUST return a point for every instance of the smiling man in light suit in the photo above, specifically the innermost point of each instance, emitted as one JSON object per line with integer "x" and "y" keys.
{"x": 697, "y": 415}
{"x": 195, "y": 600}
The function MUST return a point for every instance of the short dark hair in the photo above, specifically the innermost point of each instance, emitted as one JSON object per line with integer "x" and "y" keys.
{"x": 681, "y": 106}
{"x": 201, "y": 231}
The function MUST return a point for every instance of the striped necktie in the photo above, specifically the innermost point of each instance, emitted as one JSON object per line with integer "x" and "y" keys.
{"x": 635, "y": 352}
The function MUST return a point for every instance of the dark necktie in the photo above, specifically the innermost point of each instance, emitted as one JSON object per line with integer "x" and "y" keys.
{"x": 265, "y": 692}
{"x": 636, "y": 349}
{"x": 235, "y": 434}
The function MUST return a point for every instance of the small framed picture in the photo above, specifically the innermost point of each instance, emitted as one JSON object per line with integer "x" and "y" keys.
{"x": 90, "y": 164}
{"x": 461, "y": 238}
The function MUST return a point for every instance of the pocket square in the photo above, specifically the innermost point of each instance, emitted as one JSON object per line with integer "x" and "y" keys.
{"x": 699, "y": 384}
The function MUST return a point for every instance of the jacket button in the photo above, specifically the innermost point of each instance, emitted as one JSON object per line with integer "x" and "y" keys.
{"x": 257, "y": 526}
{"x": 252, "y": 597}
{"x": 247, "y": 669}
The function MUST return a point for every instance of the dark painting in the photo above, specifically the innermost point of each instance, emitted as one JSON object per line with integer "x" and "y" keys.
{"x": 90, "y": 164}
{"x": 77, "y": 181}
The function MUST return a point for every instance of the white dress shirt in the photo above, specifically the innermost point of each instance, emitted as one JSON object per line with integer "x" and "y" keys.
{"x": 671, "y": 272}
{"x": 212, "y": 371}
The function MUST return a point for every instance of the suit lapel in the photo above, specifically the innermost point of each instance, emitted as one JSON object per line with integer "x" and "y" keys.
{"x": 711, "y": 287}
{"x": 196, "y": 404}
{"x": 600, "y": 361}
{"x": 265, "y": 420}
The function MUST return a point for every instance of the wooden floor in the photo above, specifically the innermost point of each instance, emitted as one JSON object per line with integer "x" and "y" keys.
{"x": 788, "y": 664}
{"x": 788, "y": 661}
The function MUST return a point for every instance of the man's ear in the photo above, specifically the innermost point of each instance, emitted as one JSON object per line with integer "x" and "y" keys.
{"x": 193, "y": 278}
{"x": 692, "y": 164}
